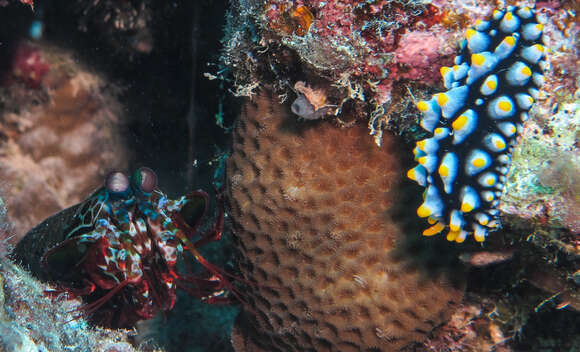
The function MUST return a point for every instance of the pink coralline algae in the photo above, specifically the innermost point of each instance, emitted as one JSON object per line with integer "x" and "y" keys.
{"x": 421, "y": 55}
{"x": 379, "y": 41}
{"x": 373, "y": 56}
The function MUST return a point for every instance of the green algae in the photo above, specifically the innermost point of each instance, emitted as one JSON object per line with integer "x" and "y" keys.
{"x": 544, "y": 180}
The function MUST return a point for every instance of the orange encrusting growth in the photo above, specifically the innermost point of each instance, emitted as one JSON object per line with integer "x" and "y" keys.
{"x": 293, "y": 21}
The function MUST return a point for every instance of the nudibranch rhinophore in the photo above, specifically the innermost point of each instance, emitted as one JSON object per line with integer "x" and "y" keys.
{"x": 474, "y": 124}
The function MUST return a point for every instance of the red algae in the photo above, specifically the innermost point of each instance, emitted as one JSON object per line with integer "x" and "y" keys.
{"x": 29, "y": 65}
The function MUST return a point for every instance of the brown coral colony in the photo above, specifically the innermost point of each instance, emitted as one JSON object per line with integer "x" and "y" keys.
{"x": 314, "y": 209}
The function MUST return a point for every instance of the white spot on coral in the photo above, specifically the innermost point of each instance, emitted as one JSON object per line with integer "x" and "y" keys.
{"x": 292, "y": 193}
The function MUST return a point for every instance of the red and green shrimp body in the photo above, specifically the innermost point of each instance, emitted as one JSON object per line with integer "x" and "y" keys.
{"x": 121, "y": 249}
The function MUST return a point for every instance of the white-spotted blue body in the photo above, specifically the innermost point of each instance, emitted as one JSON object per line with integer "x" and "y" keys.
{"x": 492, "y": 86}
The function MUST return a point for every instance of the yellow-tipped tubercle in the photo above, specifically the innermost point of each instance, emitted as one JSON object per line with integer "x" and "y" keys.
{"x": 477, "y": 59}
{"x": 433, "y": 230}
{"x": 423, "y": 211}
{"x": 422, "y": 106}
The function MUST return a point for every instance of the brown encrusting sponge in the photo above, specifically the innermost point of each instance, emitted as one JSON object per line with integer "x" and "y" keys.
{"x": 325, "y": 231}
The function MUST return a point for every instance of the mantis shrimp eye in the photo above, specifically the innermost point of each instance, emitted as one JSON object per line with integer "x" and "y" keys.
{"x": 117, "y": 183}
{"x": 144, "y": 179}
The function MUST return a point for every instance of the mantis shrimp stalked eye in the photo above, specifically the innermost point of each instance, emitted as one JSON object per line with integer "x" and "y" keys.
{"x": 117, "y": 183}
{"x": 119, "y": 249}
{"x": 145, "y": 180}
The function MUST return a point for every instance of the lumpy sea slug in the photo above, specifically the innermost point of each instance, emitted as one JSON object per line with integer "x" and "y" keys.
{"x": 475, "y": 123}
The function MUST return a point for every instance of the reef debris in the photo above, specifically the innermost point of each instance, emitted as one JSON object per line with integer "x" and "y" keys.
{"x": 363, "y": 51}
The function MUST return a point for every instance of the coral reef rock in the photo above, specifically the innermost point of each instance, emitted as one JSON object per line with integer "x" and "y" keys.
{"x": 31, "y": 321}
{"x": 326, "y": 232}
{"x": 54, "y": 151}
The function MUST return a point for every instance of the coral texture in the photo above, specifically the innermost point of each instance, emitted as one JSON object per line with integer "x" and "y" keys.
{"x": 326, "y": 233}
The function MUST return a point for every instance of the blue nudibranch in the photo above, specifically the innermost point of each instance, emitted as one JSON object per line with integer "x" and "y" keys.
{"x": 475, "y": 123}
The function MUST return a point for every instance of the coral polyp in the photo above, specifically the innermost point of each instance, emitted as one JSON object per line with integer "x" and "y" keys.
{"x": 119, "y": 250}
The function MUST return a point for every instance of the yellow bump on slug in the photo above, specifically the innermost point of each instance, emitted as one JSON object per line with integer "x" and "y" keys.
{"x": 510, "y": 40}
{"x": 509, "y": 16}
{"x": 484, "y": 221}
{"x": 478, "y": 22}
{"x": 526, "y": 71}
{"x": 539, "y": 47}
{"x": 423, "y": 211}
{"x": 438, "y": 131}
{"x": 411, "y": 174}
{"x": 416, "y": 151}
{"x": 496, "y": 13}
{"x": 421, "y": 144}
{"x": 422, "y": 106}
{"x": 490, "y": 181}
{"x": 459, "y": 123}
{"x": 442, "y": 99}
{"x": 470, "y": 33}
{"x": 466, "y": 207}
{"x": 478, "y": 162}
{"x": 422, "y": 160}
{"x": 479, "y": 237}
{"x": 491, "y": 84}
{"x": 477, "y": 59}
{"x": 431, "y": 220}
{"x": 443, "y": 171}
{"x": 499, "y": 144}
{"x": 460, "y": 239}
{"x": 505, "y": 106}
{"x": 433, "y": 230}
{"x": 455, "y": 228}
{"x": 444, "y": 70}
{"x": 452, "y": 235}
